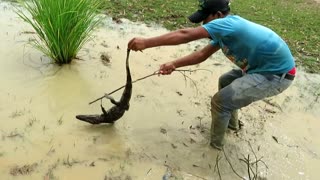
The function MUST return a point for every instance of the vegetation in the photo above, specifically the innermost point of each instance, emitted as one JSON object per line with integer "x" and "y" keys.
{"x": 63, "y": 26}
{"x": 297, "y": 21}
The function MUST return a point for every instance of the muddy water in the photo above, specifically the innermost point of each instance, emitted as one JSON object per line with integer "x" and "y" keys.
{"x": 166, "y": 130}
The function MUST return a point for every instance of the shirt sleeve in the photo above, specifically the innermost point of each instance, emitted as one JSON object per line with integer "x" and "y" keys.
{"x": 219, "y": 29}
{"x": 214, "y": 42}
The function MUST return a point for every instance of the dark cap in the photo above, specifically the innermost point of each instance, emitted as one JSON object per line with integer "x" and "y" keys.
{"x": 206, "y": 7}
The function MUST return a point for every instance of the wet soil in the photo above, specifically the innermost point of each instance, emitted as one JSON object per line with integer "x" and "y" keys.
{"x": 166, "y": 131}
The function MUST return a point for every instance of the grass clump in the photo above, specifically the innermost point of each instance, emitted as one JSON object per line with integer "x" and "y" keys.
{"x": 63, "y": 26}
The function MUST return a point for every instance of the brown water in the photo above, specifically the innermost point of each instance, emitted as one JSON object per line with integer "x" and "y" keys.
{"x": 166, "y": 130}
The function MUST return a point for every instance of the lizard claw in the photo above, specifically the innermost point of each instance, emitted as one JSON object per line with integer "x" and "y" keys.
{"x": 108, "y": 97}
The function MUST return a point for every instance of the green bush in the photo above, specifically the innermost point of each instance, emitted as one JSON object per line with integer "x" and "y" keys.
{"x": 63, "y": 26}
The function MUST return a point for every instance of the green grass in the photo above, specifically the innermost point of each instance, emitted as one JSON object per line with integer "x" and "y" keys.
{"x": 296, "y": 21}
{"x": 172, "y": 14}
{"x": 63, "y": 26}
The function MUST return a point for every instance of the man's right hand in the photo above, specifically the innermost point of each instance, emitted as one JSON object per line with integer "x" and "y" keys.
{"x": 167, "y": 68}
{"x": 137, "y": 44}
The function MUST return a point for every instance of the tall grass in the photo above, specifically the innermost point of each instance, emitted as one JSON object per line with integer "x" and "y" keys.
{"x": 63, "y": 26}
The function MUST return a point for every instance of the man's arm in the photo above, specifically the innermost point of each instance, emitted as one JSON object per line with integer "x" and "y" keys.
{"x": 194, "y": 58}
{"x": 172, "y": 38}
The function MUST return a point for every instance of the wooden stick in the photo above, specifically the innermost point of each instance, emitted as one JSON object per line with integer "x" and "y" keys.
{"x": 154, "y": 73}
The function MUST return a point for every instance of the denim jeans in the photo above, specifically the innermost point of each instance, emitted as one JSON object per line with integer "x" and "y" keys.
{"x": 237, "y": 90}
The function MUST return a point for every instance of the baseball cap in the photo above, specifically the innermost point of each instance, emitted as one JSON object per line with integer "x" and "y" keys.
{"x": 206, "y": 7}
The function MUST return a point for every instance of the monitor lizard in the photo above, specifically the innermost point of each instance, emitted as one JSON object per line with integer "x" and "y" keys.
{"x": 119, "y": 108}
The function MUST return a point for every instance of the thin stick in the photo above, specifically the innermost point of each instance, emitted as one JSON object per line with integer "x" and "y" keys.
{"x": 249, "y": 168}
{"x": 217, "y": 165}
{"x": 249, "y": 174}
{"x": 154, "y": 73}
{"x": 188, "y": 70}
{"x": 185, "y": 78}
{"x": 235, "y": 172}
{"x": 255, "y": 156}
{"x": 149, "y": 171}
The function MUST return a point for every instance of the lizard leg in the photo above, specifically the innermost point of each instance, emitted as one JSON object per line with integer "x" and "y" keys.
{"x": 113, "y": 101}
{"x": 103, "y": 110}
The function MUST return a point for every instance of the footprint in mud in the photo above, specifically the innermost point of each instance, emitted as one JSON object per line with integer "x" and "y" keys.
{"x": 104, "y": 44}
{"x": 139, "y": 97}
{"x": 105, "y": 59}
{"x": 181, "y": 113}
{"x": 24, "y": 170}
{"x": 124, "y": 177}
{"x": 17, "y": 113}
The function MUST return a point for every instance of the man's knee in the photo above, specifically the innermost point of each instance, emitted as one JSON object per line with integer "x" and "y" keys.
{"x": 223, "y": 81}
{"x": 215, "y": 102}
{"x": 222, "y": 101}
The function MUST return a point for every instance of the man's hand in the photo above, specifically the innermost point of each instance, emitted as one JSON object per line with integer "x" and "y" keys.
{"x": 137, "y": 44}
{"x": 167, "y": 68}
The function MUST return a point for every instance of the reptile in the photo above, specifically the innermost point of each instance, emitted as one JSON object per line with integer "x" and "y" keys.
{"x": 119, "y": 108}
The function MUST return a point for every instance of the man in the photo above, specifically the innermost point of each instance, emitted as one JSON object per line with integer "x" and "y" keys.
{"x": 266, "y": 65}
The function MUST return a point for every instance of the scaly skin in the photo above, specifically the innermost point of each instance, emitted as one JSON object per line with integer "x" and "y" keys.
{"x": 119, "y": 108}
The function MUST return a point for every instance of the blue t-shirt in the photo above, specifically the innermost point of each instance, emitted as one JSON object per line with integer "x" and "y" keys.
{"x": 252, "y": 47}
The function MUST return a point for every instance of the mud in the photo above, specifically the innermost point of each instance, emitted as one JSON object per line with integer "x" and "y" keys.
{"x": 165, "y": 132}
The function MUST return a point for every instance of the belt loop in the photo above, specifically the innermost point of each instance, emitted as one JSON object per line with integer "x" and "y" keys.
{"x": 282, "y": 77}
